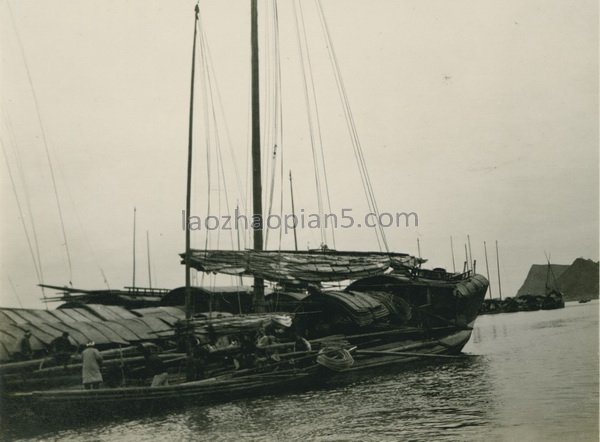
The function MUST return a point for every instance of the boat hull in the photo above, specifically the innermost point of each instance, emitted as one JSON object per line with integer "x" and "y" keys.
{"x": 64, "y": 406}
{"x": 78, "y": 404}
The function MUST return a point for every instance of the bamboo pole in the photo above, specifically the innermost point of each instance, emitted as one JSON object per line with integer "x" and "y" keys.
{"x": 293, "y": 212}
{"x": 134, "y": 215}
{"x": 452, "y": 251}
{"x": 470, "y": 254}
{"x": 498, "y": 264}
{"x": 487, "y": 269}
{"x": 149, "y": 261}
{"x": 406, "y": 353}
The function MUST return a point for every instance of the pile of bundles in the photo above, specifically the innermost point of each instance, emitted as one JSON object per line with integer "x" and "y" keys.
{"x": 400, "y": 310}
{"x": 361, "y": 308}
{"x": 225, "y": 324}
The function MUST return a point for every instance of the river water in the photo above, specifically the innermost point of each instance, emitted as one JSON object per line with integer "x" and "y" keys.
{"x": 530, "y": 376}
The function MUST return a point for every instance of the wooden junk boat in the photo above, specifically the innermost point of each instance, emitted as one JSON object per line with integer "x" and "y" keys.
{"x": 391, "y": 313}
{"x": 395, "y": 313}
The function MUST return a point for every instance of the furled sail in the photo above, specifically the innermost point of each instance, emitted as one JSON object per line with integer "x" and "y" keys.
{"x": 299, "y": 266}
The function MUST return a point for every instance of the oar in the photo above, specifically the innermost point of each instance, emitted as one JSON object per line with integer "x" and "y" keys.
{"x": 405, "y": 353}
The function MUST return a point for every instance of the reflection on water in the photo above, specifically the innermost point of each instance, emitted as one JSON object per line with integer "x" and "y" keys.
{"x": 529, "y": 376}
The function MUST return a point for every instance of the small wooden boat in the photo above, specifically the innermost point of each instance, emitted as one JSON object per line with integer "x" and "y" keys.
{"x": 323, "y": 367}
{"x": 79, "y": 404}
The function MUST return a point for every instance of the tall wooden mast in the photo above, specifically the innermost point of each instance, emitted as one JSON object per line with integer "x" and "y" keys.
{"x": 189, "y": 307}
{"x": 188, "y": 195}
{"x": 257, "y": 221}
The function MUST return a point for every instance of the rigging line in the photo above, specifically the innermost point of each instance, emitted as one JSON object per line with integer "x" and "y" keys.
{"x": 274, "y": 91}
{"x": 224, "y": 119}
{"x": 347, "y": 109}
{"x": 38, "y": 271}
{"x": 316, "y": 128}
{"x": 13, "y": 142}
{"x": 267, "y": 109}
{"x": 212, "y": 91}
{"x": 207, "y": 138}
{"x": 310, "y": 122}
{"x": 313, "y": 92}
{"x": 271, "y": 190}
{"x": 226, "y": 193}
{"x": 45, "y": 142}
{"x": 275, "y": 79}
{"x": 280, "y": 116}
{"x": 15, "y": 292}
{"x": 350, "y": 119}
{"x": 70, "y": 200}
{"x": 248, "y": 167}
{"x": 210, "y": 108}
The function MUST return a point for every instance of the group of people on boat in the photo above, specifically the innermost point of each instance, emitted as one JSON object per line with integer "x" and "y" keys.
{"x": 260, "y": 349}
{"x": 61, "y": 350}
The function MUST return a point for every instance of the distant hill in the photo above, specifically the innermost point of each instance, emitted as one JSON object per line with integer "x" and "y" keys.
{"x": 535, "y": 283}
{"x": 580, "y": 280}
{"x": 577, "y": 281}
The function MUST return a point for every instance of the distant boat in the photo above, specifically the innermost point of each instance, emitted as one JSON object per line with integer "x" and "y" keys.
{"x": 554, "y": 298}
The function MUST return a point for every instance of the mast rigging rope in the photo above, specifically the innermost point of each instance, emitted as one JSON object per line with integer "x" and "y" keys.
{"x": 45, "y": 142}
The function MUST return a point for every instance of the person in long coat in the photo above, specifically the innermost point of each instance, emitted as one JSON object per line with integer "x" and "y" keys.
{"x": 25, "y": 346}
{"x": 90, "y": 372}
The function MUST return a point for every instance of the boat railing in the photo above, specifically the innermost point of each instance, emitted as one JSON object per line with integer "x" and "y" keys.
{"x": 146, "y": 291}
{"x": 440, "y": 274}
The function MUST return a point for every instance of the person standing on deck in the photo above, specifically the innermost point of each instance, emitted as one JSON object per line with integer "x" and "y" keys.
{"x": 90, "y": 371}
{"x": 25, "y": 346}
{"x": 62, "y": 348}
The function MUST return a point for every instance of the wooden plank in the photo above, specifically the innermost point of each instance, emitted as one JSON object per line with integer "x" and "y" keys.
{"x": 101, "y": 312}
{"x": 138, "y": 327}
{"x": 155, "y": 325}
{"x": 110, "y": 333}
{"x": 61, "y": 316}
{"x": 4, "y": 318}
{"x": 90, "y": 333}
{"x": 106, "y": 313}
{"x": 28, "y": 316}
{"x": 174, "y": 312}
{"x": 79, "y": 314}
{"x": 38, "y": 315}
{"x": 121, "y": 312}
{"x": 122, "y": 331}
{"x": 14, "y": 317}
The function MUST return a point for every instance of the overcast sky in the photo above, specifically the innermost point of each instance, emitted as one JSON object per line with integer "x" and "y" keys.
{"x": 481, "y": 117}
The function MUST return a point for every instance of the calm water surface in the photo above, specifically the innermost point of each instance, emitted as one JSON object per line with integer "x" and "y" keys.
{"x": 531, "y": 376}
